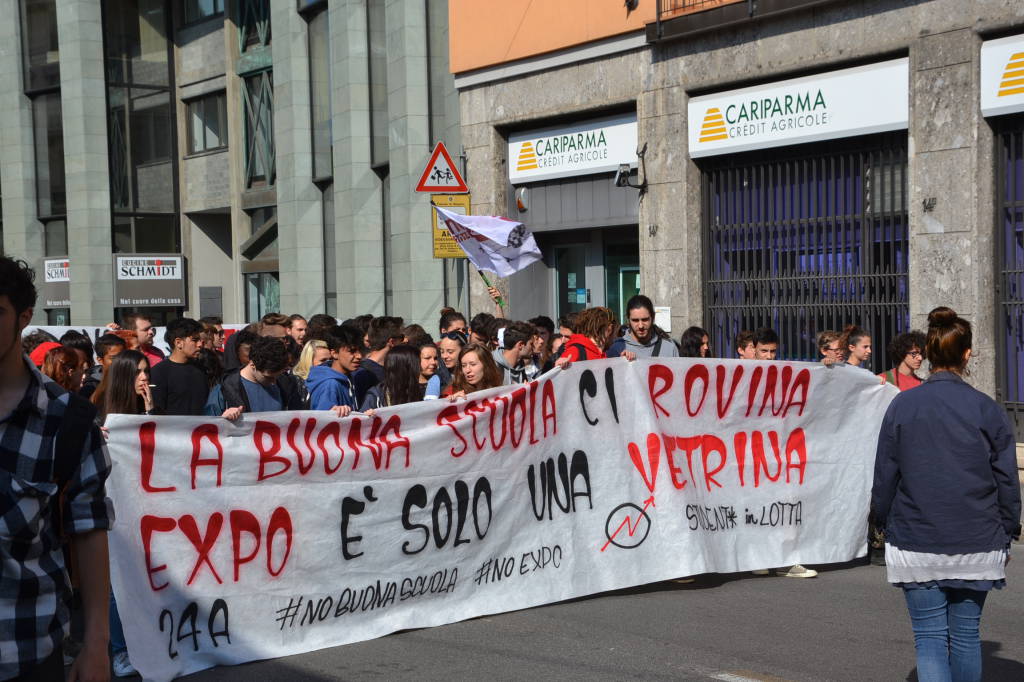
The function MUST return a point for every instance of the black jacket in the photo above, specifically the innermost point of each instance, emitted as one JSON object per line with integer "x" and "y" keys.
{"x": 234, "y": 393}
{"x": 946, "y": 470}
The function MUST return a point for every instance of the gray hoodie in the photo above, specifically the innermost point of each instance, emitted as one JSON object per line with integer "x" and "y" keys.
{"x": 657, "y": 347}
{"x": 512, "y": 375}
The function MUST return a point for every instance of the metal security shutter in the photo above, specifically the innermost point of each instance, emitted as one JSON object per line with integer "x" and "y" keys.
{"x": 807, "y": 238}
{"x": 1009, "y": 237}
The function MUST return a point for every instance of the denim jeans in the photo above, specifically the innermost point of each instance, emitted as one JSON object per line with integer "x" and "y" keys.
{"x": 117, "y": 643}
{"x": 946, "y": 636}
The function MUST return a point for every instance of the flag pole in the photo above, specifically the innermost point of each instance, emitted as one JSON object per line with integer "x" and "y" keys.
{"x": 500, "y": 301}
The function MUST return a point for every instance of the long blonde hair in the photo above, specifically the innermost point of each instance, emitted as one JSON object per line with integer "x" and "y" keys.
{"x": 305, "y": 362}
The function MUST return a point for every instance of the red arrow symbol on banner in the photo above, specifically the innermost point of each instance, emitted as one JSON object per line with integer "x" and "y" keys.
{"x": 629, "y": 524}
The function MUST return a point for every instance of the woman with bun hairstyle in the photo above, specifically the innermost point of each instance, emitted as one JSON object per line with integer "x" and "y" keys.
{"x": 946, "y": 494}
{"x": 856, "y": 345}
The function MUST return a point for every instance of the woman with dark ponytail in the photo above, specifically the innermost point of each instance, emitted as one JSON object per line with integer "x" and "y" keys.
{"x": 946, "y": 494}
{"x": 856, "y": 346}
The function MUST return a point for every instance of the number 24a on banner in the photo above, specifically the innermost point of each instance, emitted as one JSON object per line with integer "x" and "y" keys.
{"x": 445, "y": 245}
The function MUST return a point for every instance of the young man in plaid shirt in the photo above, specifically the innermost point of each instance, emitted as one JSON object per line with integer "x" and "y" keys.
{"x": 34, "y": 588}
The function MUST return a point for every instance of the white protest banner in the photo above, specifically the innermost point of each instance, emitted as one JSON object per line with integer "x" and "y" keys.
{"x": 290, "y": 532}
{"x": 492, "y": 243}
{"x": 94, "y": 333}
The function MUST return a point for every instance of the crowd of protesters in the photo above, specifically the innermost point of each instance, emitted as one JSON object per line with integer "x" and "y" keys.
{"x": 286, "y": 362}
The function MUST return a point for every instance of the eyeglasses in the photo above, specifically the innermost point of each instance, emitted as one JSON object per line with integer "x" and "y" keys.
{"x": 915, "y": 354}
{"x": 456, "y": 336}
{"x": 830, "y": 349}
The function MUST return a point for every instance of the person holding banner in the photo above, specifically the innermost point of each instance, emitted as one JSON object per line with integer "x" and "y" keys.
{"x": 330, "y": 386}
{"x": 856, "y": 344}
{"x": 475, "y": 371}
{"x": 644, "y": 338}
{"x": 947, "y": 495}
{"x": 906, "y": 350}
{"x": 594, "y": 330}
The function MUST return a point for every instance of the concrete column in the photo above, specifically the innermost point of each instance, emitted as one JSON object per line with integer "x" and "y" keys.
{"x": 299, "y": 213}
{"x": 670, "y": 213}
{"x": 83, "y": 101}
{"x": 417, "y": 277}
{"x": 23, "y": 234}
{"x": 951, "y": 248}
{"x": 357, "y": 189}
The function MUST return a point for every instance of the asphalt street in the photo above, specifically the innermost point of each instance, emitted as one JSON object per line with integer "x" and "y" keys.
{"x": 847, "y": 624}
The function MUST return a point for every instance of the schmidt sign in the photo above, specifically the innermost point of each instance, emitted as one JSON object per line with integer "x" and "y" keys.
{"x": 149, "y": 281}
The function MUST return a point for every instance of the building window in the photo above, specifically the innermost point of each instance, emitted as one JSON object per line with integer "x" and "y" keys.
{"x": 1009, "y": 236}
{"x": 207, "y": 123}
{"x": 258, "y": 103}
{"x": 376, "y": 41}
{"x": 49, "y": 148}
{"x": 41, "y": 52}
{"x": 199, "y": 10}
{"x": 55, "y": 238}
{"x": 805, "y": 239}
{"x": 253, "y": 24}
{"x": 146, "y": 234}
{"x": 262, "y": 294}
{"x": 320, "y": 94}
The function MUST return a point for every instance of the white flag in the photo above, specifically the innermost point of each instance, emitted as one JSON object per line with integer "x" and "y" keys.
{"x": 491, "y": 243}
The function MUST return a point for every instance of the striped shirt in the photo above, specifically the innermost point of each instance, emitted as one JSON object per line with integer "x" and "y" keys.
{"x": 34, "y": 586}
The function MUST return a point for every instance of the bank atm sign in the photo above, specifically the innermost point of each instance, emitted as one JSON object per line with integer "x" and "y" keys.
{"x": 857, "y": 101}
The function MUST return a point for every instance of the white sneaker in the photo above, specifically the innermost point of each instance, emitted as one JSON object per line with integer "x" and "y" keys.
{"x": 796, "y": 571}
{"x": 123, "y": 665}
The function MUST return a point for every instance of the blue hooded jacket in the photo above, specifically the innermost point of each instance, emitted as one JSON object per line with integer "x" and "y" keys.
{"x": 328, "y": 387}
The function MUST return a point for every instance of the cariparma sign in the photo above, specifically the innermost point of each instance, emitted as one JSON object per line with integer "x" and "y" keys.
{"x": 594, "y": 146}
{"x": 857, "y": 101}
{"x": 1002, "y": 76}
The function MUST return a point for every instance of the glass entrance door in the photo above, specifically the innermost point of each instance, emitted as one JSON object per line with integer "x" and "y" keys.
{"x": 622, "y": 275}
{"x": 571, "y": 292}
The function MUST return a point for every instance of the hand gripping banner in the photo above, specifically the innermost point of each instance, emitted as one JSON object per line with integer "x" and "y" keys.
{"x": 290, "y": 532}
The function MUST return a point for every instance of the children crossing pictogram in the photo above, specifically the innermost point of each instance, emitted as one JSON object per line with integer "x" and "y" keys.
{"x": 440, "y": 175}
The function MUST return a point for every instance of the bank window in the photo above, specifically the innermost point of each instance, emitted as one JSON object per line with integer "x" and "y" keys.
{"x": 207, "y": 123}
{"x": 198, "y": 10}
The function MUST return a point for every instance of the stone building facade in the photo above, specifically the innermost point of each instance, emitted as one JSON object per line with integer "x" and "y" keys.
{"x": 271, "y": 146}
{"x": 932, "y": 205}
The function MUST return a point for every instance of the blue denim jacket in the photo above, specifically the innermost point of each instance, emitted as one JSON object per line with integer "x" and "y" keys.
{"x": 946, "y": 470}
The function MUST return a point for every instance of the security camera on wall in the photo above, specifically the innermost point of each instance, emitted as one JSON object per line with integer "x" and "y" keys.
{"x": 622, "y": 175}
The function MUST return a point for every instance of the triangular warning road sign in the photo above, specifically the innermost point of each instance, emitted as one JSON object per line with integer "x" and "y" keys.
{"x": 441, "y": 175}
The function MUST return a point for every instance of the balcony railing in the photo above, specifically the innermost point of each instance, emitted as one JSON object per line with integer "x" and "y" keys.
{"x": 674, "y": 8}
{"x": 676, "y": 19}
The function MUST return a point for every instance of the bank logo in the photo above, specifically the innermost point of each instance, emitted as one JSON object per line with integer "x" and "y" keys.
{"x": 527, "y": 157}
{"x": 714, "y": 126}
{"x": 1013, "y": 76}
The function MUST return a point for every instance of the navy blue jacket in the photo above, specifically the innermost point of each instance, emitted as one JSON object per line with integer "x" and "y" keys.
{"x": 946, "y": 470}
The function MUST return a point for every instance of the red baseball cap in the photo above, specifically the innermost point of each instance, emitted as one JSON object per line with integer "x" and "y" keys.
{"x": 39, "y": 354}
